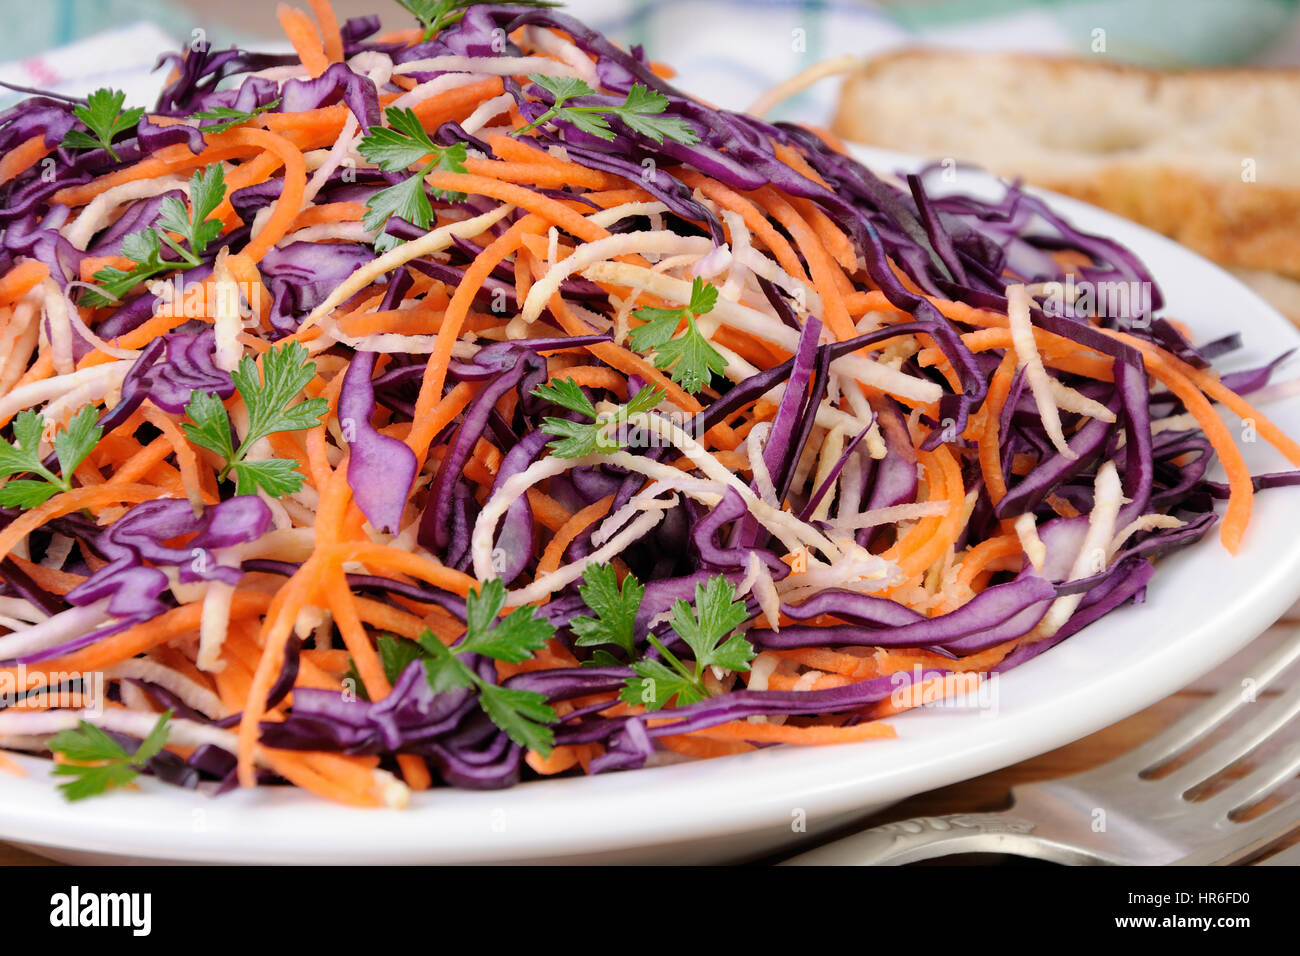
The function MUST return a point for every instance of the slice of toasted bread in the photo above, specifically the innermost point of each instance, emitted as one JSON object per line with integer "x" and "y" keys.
{"x": 1209, "y": 157}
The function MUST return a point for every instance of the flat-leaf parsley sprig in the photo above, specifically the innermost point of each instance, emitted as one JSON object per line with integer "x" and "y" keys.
{"x": 435, "y": 15}
{"x": 222, "y": 118}
{"x": 145, "y": 247}
{"x": 642, "y": 111}
{"x": 106, "y": 120}
{"x": 577, "y": 439}
{"x": 395, "y": 149}
{"x": 522, "y": 714}
{"x": 98, "y": 762}
{"x": 709, "y": 630}
{"x": 615, "y": 608}
{"x": 71, "y": 447}
{"x": 691, "y": 357}
{"x": 285, "y": 373}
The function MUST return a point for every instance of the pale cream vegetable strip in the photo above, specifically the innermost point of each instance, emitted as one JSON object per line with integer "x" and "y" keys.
{"x": 1029, "y": 359}
{"x": 434, "y": 241}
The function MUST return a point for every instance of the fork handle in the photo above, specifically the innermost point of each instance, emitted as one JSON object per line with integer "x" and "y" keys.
{"x": 922, "y": 838}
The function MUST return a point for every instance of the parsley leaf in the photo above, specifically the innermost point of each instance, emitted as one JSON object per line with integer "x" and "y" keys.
{"x": 285, "y": 373}
{"x": 434, "y": 15}
{"x": 641, "y": 111}
{"x": 404, "y": 144}
{"x": 228, "y": 118}
{"x": 207, "y": 190}
{"x": 71, "y": 447}
{"x": 567, "y": 393}
{"x": 656, "y": 685}
{"x": 407, "y": 200}
{"x": 395, "y": 655}
{"x": 106, "y": 120}
{"x": 144, "y": 247}
{"x": 513, "y": 638}
{"x": 73, "y": 444}
{"x": 578, "y": 439}
{"x": 522, "y": 714}
{"x": 691, "y": 357}
{"x": 716, "y": 615}
{"x": 395, "y": 150}
{"x": 615, "y": 609}
{"x": 276, "y": 476}
{"x": 99, "y": 761}
{"x": 709, "y": 630}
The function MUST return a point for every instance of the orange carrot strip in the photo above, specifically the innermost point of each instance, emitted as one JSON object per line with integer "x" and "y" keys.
{"x": 21, "y": 279}
{"x": 541, "y": 175}
{"x": 436, "y": 370}
{"x": 1209, "y": 383}
{"x": 67, "y": 502}
{"x": 753, "y": 218}
{"x": 9, "y": 765}
{"x": 1241, "y": 490}
{"x": 435, "y": 419}
{"x": 60, "y": 582}
{"x": 553, "y": 210}
{"x": 425, "y": 569}
{"x": 23, "y": 157}
{"x": 978, "y": 558}
{"x": 187, "y": 460}
{"x": 990, "y": 447}
{"x": 290, "y": 200}
{"x": 306, "y": 40}
{"x": 456, "y": 104}
{"x": 932, "y": 536}
{"x": 170, "y": 159}
{"x": 826, "y": 273}
{"x": 331, "y": 36}
{"x": 328, "y": 212}
{"x": 561, "y": 759}
{"x": 554, "y": 551}
{"x": 597, "y": 376}
{"x": 817, "y": 735}
{"x": 701, "y": 748}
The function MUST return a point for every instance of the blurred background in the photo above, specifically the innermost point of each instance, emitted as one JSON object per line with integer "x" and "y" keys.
{"x": 725, "y": 50}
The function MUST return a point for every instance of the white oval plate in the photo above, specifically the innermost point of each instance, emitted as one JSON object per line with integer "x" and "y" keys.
{"x": 1201, "y": 607}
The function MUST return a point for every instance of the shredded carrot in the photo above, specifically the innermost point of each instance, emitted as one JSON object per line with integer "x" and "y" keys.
{"x": 769, "y": 733}
{"x": 23, "y": 157}
{"x": 21, "y": 279}
{"x": 990, "y": 446}
{"x": 554, "y": 552}
{"x": 9, "y": 765}
{"x": 306, "y": 40}
{"x": 331, "y": 37}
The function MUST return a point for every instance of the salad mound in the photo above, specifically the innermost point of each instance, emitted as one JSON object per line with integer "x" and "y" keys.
{"x": 466, "y": 403}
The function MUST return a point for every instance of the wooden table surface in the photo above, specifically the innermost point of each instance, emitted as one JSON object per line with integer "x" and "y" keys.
{"x": 991, "y": 791}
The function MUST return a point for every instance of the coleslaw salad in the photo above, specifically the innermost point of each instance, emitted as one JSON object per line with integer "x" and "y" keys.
{"x": 465, "y": 403}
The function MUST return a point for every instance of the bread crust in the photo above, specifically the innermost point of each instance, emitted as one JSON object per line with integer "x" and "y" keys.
{"x": 1237, "y": 201}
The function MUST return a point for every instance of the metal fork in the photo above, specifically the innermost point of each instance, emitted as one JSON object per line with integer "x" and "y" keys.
{"x": 1118, "y": 813}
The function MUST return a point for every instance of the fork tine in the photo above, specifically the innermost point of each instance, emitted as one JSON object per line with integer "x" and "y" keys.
{"x": 1271, "y": 718}
{"x": 1260, "y": 781}
{"x": 1242, "y": 840}
{"x": 1192, "y": 727}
